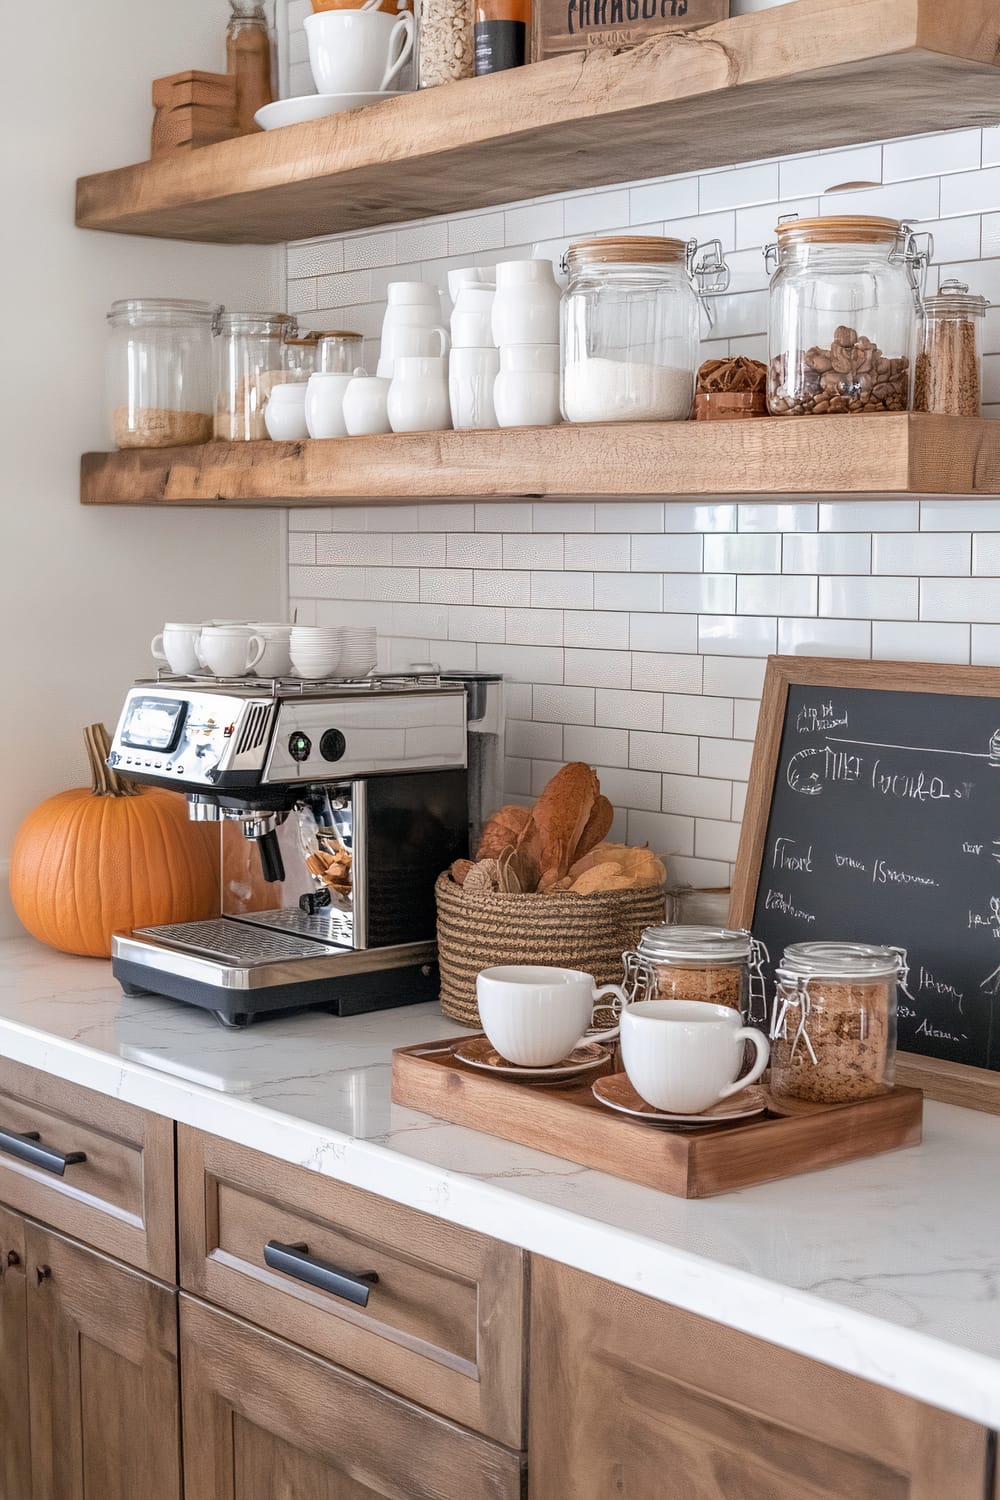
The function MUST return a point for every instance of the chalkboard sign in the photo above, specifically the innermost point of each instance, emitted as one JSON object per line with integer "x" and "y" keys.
{"x": 873, "y": 815}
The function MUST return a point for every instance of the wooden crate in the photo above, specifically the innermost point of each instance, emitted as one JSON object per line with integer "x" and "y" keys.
{"x": 560, "y": 26}
{"x": 792, "y": 1137}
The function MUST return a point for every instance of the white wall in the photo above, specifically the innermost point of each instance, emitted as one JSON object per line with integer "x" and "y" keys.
{"x": 633, "y": 633}
{"x": 83, "y": 590}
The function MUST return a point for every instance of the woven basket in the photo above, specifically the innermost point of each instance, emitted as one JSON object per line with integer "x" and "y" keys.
{"x": 569, "y": 931}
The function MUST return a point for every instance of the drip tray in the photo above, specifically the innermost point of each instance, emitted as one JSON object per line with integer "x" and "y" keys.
{"x": 236, "y": 943}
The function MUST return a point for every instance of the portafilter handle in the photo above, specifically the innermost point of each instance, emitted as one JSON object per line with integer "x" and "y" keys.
{"x": 271, "y": 861}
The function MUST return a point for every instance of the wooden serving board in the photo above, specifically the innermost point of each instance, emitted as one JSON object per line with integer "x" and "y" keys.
{"x": 792, "y": 1137}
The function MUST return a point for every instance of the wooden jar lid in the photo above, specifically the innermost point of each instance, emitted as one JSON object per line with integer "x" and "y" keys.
{"x": 847, "y": 229}
{"x": 627, "y": 250}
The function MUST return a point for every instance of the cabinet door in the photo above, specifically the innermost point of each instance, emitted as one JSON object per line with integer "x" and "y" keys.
{"x": 264, "y": 1420}
{"x": 15, "y": 1463}
{"x": 635, "y": 1399}
{"x": 102, "y": 1356}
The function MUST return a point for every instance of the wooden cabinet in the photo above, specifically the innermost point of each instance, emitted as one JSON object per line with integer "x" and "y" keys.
{"x": 102, "y": 1360}
{"x": 635, "y": 1399}
{"x": 15, "y": 1458}
{"x": 263, "y": 1419}
{"x": 445, "y": 1322}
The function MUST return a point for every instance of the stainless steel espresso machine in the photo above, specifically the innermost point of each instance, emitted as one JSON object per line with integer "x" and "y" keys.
{"x": 339, "y": 804}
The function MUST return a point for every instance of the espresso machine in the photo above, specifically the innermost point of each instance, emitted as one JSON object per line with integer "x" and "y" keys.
{"x": 338, "y": 805}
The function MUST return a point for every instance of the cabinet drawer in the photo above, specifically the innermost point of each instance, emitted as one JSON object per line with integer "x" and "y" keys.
{"x": 444, "y": 1324}
{"x": 120, "y": 1198}
{"x": 263, "y": 1419}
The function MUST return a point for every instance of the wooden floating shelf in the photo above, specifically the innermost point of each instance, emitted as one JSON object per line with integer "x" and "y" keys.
{"x": 886, "y": 454}
{"x": 813, "y": 73}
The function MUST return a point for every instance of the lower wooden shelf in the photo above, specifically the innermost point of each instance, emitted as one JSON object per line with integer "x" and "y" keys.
{"x": 886, "y": 454}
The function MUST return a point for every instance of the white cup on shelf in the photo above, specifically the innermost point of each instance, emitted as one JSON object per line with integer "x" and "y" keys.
{"x": 366, "y": 406}
{"x": 285, "y": 412}
{"x": 176, "y": 645}
{"x": 418, "y": 397}
{"x": 230, "y": 650}
{"x": 471, "y": 322}
{"x": 409, "y": 341}
{"x": 324, "y": 407}
{"x": 526, "y": 391}
{"x": 276, "y": 660}
{"x": 357, "y": 51}
{"x": 526, "y": 305}
{"x": 471, "y": 376}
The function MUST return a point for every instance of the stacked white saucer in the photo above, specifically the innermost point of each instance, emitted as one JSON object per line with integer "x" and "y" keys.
{"x": 315, "y": 650}
{"x": 358, "y": 650}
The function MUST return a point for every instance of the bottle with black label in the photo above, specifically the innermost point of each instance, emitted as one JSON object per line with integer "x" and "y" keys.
{"x": 501, "y": 35}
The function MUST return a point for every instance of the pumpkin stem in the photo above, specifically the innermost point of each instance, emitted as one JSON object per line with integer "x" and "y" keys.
{"x": 105, "y": 781}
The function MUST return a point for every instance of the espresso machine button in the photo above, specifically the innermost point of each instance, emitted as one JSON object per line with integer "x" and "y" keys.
{"x": 299, "y": 745}
{"x": 333, "y": 745}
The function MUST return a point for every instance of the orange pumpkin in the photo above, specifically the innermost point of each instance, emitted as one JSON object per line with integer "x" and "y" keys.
{"x": 112, "y": 856}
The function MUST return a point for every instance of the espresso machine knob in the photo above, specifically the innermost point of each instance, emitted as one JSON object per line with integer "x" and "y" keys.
{"x": 333, "y": 745}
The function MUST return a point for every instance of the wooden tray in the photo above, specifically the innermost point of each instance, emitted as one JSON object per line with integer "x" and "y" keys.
{"x": 792, "y": 1137}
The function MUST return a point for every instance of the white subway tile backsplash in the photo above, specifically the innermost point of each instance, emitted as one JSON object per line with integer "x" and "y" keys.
{"x": 839, "y": 552}
{"x": 622, "y": 708}
{"x": 926, "y": 641}
{"x": 563, "y": 705}
{"x": 633, "y": 632}
{"x": 596, "y": 746}
{"x": 736, "y": 635}
{"x": 743, "y": 554}
{"x": 662, "y": 632}
{"x": 525, "y": 550}
{"x": 844, "y": 598}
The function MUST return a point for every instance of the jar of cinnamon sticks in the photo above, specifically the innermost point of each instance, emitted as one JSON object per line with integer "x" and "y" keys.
{"x": 948, "y": 373}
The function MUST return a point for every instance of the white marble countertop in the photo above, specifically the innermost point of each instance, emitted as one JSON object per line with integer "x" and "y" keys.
{"x": 888, "y": 1268}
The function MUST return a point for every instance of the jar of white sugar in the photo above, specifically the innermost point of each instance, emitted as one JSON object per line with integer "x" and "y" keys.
{"x": 630, "y": 327}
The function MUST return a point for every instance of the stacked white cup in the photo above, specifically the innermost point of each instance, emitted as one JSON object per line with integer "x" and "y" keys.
{"x": 474, "y": 358}
{"x": 525, "y": 326}
{"x": 414, "y": 356}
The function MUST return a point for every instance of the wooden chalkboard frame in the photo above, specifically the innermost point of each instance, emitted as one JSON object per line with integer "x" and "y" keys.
{"x": 952, "y": 1083}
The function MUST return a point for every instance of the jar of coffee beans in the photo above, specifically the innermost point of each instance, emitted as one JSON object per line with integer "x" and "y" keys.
{"x": 833, "y": 1029}
{"x": 844, "y": 300}
{"x": 692, "y": 963}
{"x": 948, "y": 374}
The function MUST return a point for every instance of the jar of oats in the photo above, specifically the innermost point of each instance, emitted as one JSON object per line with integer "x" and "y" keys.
{"x": 833, "y": 1030}
{"x": 691, "y": 963}
{"x": 445, "y": 41}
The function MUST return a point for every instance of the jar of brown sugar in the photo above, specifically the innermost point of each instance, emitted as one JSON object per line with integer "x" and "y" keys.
{"x": 691, "y": 963}
{"x": 948, "y": 373}
{"x": 833, "y": 1030}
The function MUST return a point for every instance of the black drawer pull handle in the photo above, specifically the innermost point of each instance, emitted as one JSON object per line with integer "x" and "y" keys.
{"x": 29, "y": 1148}
{"x": 296, "y": 1261}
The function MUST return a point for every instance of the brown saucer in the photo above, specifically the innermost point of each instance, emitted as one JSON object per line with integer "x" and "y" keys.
{"x": 615, "y": 1092}
{"x": 479, "y": 1052}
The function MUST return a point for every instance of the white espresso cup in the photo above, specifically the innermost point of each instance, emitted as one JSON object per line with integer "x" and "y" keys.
{"x": 357, "y": 51}
{"x": 683, "y": 1056}
{"x": 177, "y": 645}
{"x": 275, "y": 660}
{"x": 230, "y": 650}
{"x": 535, "y": 1016}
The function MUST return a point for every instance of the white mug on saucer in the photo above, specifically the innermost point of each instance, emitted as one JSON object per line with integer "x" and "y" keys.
{"x": 683, "y": 1056}
{"x": 275, "y": 660}
{"x": 230, "y": 650}
{"x": 535, "y": 1015}
{"x": 176, "y": 645}
{"x": 358, "y": 51}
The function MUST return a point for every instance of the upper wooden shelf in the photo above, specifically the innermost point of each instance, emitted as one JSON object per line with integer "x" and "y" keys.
{"x": 887, "y": 454}
{"x": 810, "y": 74}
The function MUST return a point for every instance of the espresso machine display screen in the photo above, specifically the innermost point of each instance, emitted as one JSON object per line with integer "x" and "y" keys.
{"x": 153, "y": 724}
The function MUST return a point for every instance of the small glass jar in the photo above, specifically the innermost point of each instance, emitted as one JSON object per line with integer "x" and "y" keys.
{"x": 629, "y": 330}
{"x": 845, "y": 296}
{"x": 299, "y": 357}
{"x": 692, "y": 963}
{"x": 446, "y": 41}
{"x": 833, "y": 1030}
{"x": 338, "y": 351}
{"x": 160, "y": 372}
{"x": 948, "y": 372}
{"x": 251, "y": 362}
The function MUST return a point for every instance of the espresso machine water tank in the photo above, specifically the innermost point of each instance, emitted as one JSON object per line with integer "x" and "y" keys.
{"x": 486, "y": 721}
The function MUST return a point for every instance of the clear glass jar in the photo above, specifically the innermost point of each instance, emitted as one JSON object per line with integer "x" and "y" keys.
{"x": 446, "y": 41}
{"x": 833, "y": 1030}
{"x": 948, "y": 372}
{"x": 692, "y": 963}
{"x": 629, "y": 331}
{"x": 160, "y": 372}
{"x": 251, "y": 361}
{"x": 844, "y": 302}
{"x": 338, "y": 351}
{"x": 299, "y": 357}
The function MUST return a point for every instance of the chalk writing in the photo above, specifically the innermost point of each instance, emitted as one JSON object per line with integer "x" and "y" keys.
{"x": 883, "y": 874}
{"x": 848, "y": 862}
{"x": 783, "y": 857}
{"x": 813, "y": 719}
{"x": 780, "y": 901}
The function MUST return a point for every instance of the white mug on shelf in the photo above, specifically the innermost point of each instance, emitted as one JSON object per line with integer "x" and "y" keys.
{"x": 683, "y": 1056}
{"x": 471, "y": 325}
{"x": 285, "y": 412}
{"x": 526, "y": 391}
{"x": 408, "y": 342}
{"x": 177, "y": 645}
{"x": 366, "y": 406}
{"x": 357, "y": 51}
{"x": 418, "y": 397}
{"x": 471, "y": 377}
{"x": 275, "y": 661}
{"x": 535, "y": 1016}
{"x": 526, "y": 305}
{"x": 230, "y": 650}
{"x": 325, "y": 404}
{"x": 413, "y": 294}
